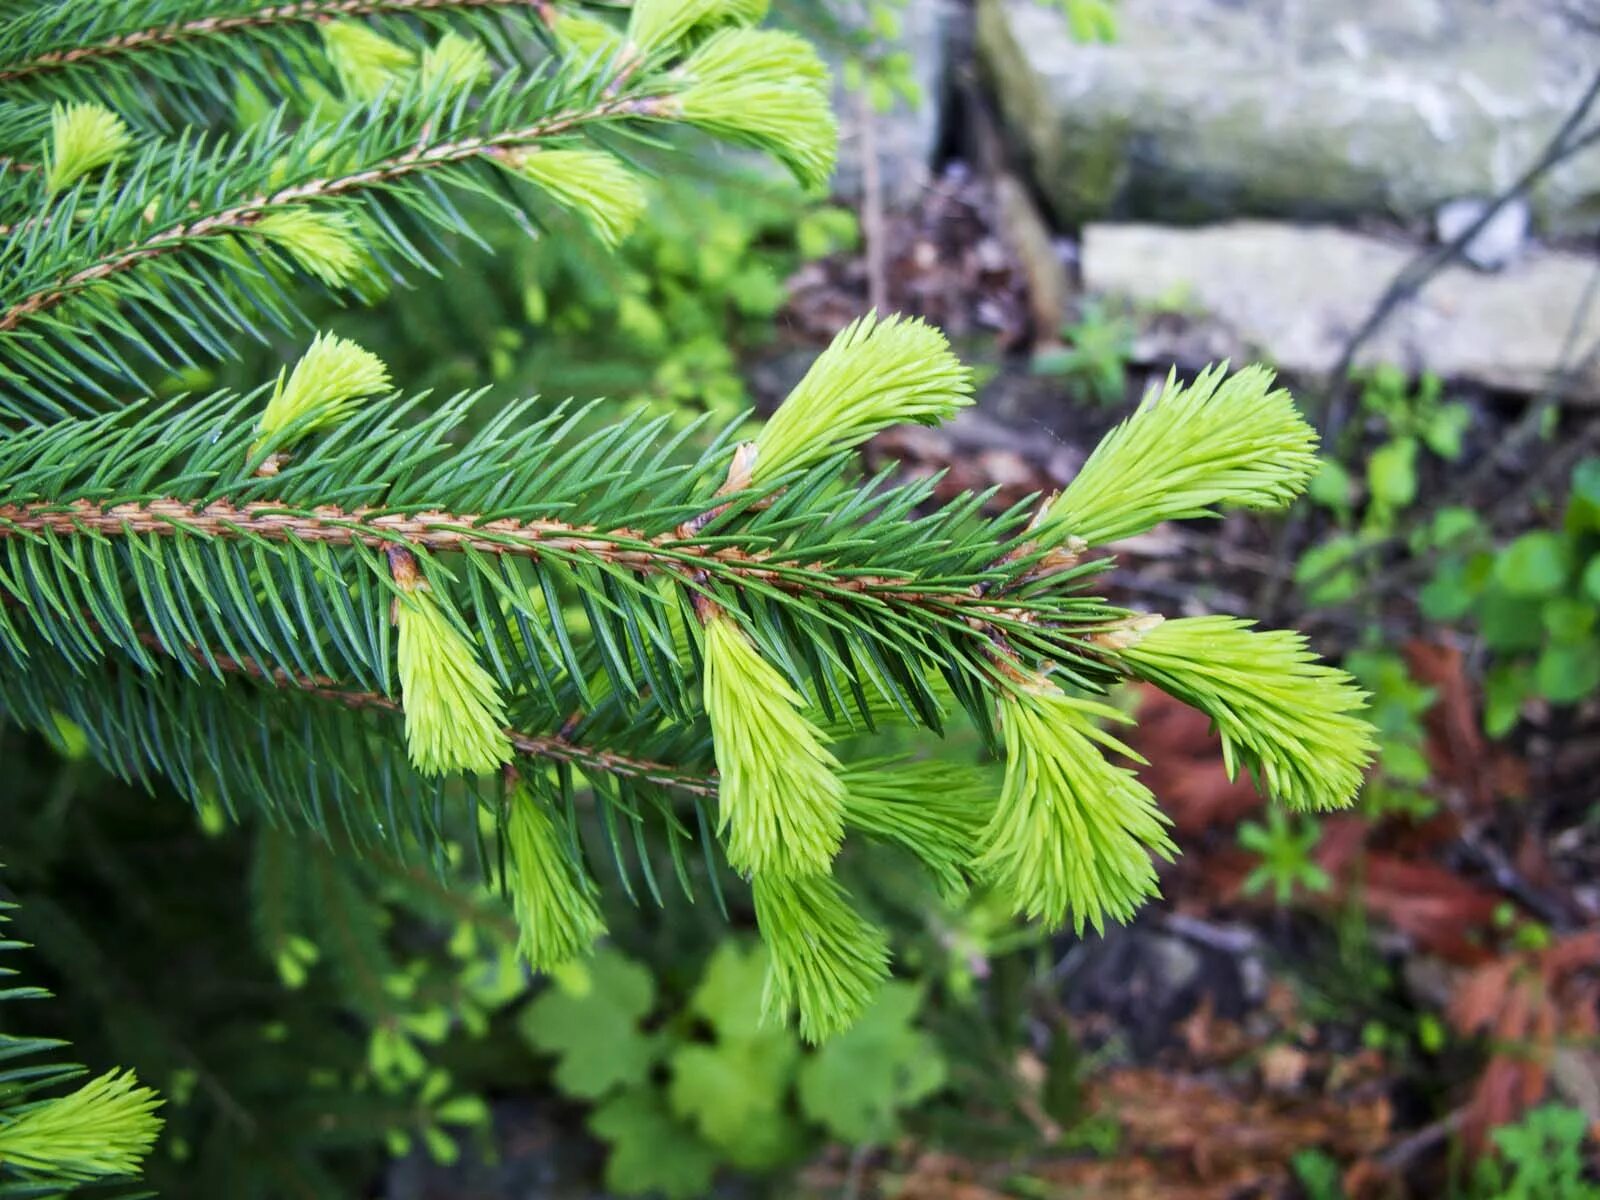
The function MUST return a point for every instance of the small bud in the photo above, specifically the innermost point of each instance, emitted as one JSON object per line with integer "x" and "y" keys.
{"x": 83, "y": 136}
{"x": 827, "y": 961}
{"x": 322, "y": 243}
{"x": 780, "y": 802}
{"x": 1127, "y": 632}
{"x": 553, "y": 900}
{"x": 102, "y": 1130}
{"x": 1218, "y": 441}
{"x": 453, "y": 64}
{"x": 455, "y": 715}
{"x": 366, "y": 62}
{"x": 874, "y": 375}
{"x": 324, "y": 387}
{"x": 1292, "y": 720}
{"x": 1072, "y": 835}
{"x": 591, "y": 183}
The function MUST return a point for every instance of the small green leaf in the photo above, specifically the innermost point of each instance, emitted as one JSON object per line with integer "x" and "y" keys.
{"x": 1567, "y": 672}
{"x": 1392, "y": 474}
{"x": 1536, "y": 564}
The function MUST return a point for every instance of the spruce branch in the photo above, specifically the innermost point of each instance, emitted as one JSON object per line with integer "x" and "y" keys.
{"x": 48, "y": 51}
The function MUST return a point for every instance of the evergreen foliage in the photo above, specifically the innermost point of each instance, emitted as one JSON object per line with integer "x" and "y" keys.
{"x": 97, "y": 1133}
{"x": 339, "y": 602}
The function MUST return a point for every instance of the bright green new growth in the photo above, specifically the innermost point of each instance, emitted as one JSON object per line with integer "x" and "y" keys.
{"x": 322, "y": 243}
{"x": 554, "y": 902}
{"x": 585, "y": 37}
{"x": 366, "y": 62}
{"x": 1222, "y": 440}
{"x": 874, "y": 375}
{"x": 656, "y": 24}
{"x": 455, "y": 714}
{"x": 1072, "y": 835}
{"x": 104, "y": 1129}
{"x": 1291, "y": 719}
{"x": 453, "y": 64}
{"x": 83, "y": 136}
{"x": 936, "y": 810}
{"x": 780, "y": 801}
{"x": 827, "y": 959}
{"x": 766, "y": 89}
{"x": 325, "y": 387}
{"x": 592, "y": 183}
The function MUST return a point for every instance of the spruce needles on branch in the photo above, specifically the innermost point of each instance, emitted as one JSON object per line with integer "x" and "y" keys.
{"x": 335, "y": 601}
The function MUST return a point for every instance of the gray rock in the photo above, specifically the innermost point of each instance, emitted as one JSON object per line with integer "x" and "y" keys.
{"x": 1293, "y": 294}
{"x": 1499, "y": 243}
{"x": 907, "y": 138}
{"x": 1304, "y": 108}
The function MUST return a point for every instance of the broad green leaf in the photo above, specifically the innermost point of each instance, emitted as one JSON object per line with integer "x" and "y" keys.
{"x": 857, "y": 1084}
{"x": 595, "y": 1029}
{"x": 651, "y": 1151}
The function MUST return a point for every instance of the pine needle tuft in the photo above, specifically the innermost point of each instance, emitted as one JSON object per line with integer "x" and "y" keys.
{"x": 366, "y": 62}
{"x": 455, "y": 714}
{"x": 936, "y": 810}
{"x": 780, "y": 801}
{"x": 452, "y": 65}
{"x": 324, "y": 387}
{"x": 592, "y": 183}
{"x": 828, "y": 961}
{"x": 874, "y": 375}
{"x": 657, "y": 24}
{"x": 102, "y": 1130}
{"x": 83, "y": 136}
{"x": 1222, "y": 440}
{"x": 322, "y": 243}
{"x": 1292, "y": 719}
{"x": 1072, "y": 834}
{"x": 553, "y": 900}
{"x": 765, "y": 89}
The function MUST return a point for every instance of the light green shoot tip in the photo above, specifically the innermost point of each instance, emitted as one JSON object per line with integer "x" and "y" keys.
{"x": 324, "y": 387}
{"x": 101, "y": 1131}
{"x": 452, "y": 65}
{"x": 780, "y": 801}
{"x": 874, "y": 375}
{"x": 322, "y": 243}
{"x": 1222, "y": 440}
{"x": 765, "y": 89}
{"x": 827, "y": 960}
{"x": 366, "y": 62}
{"x": 553, "y": 900}
{"x": 592, "y": 183}
{"x": 1294, "y": 721}
{"x": 455, "y": 714}
{"x": 1072, "y": 834}
{"x": 83, "y": 136}
{"x": 657, "y": 24}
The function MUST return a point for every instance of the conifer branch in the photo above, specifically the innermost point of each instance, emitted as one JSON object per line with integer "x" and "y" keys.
{"x": 241, "y": 217}
{"x": 442, "y": 532}
{"x": 266, "y": 17}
